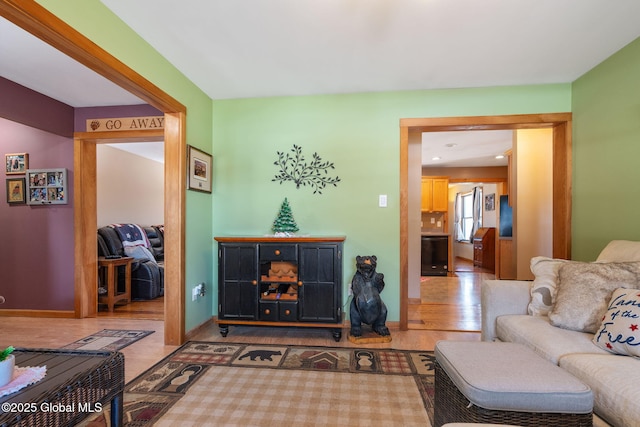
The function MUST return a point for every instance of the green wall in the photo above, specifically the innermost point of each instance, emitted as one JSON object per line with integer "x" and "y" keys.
{"x": 606, "y": 149}
{"x": 360, "y": 135}
{"x": 96, "y": 22}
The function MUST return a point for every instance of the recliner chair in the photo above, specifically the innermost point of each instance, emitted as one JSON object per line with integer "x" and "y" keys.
{"x": 146, "y": 275}
{"x": 156, "y": 240}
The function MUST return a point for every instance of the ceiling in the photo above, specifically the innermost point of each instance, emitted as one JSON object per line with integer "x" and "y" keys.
{"x": 466, "y": 149}
{"x": 257, "y": 48}
{"x": 30, "y": 62}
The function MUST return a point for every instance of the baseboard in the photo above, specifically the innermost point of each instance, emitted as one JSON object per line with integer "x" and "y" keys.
{"x": 10, "y": 312}
{"x": 195, "y": 331}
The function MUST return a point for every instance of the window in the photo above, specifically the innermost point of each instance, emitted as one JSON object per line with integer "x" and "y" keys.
{"x": 467, "y": 216}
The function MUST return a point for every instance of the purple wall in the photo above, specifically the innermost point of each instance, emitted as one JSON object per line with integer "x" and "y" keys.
{"x": 23, "y": 105}
{"x": 36, "y": 254}
{"x": 37, "y": 242}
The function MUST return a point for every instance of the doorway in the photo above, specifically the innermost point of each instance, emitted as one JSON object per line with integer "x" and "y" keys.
{"x": 410, "y": 135}
{"x": 137, "y": 167}
{"x": 38, "y": 21}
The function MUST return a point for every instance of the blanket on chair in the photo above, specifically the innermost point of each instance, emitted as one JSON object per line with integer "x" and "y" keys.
{"x": 134, "y": 241}
{"x": 131, "y": 235}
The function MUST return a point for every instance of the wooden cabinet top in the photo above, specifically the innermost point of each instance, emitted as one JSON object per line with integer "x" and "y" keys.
{"x": 482, "y": 233}
{"x": 270, "y": 239}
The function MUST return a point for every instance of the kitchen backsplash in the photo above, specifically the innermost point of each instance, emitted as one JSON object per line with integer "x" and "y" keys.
{"x": 433, "y": 222}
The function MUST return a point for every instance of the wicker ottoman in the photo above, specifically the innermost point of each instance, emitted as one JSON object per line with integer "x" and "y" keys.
{"x": 505, "y": 383}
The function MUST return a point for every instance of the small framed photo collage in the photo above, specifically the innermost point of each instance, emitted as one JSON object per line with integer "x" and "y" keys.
{"x": 37, "y": 186}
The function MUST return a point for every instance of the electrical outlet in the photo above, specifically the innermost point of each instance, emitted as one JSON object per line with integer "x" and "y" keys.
{"x": 382, "y": 200}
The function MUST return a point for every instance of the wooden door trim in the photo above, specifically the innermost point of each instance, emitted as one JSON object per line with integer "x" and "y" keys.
{"x": 38, "y": 21}
{"x": 562, "y": 170}
{"x": 43, "y": 24}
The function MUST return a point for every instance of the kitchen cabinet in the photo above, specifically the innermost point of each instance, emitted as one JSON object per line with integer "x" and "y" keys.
{"x": 435, "y": 194}
{"x": 274, "y": 281}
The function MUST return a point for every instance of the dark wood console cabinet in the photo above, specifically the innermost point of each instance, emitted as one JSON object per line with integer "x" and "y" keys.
{"x": 280, "y": 281}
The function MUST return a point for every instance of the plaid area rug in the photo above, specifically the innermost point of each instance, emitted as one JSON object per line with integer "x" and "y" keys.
{"x": 108, "y": 340}
{"x": 206, "y": 383}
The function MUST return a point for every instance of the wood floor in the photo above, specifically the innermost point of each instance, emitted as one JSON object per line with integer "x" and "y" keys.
{"x": 448, "y": 310}
{"x": 450, "y": 303}
{"x": 55, "y": 332}
{"x": 144, "y": 310}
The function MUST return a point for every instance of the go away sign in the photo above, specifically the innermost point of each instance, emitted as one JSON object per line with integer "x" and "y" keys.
{"x": 125, "y": 123}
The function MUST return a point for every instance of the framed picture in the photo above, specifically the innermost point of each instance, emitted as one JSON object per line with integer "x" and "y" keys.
{"x": 200, "y": 170}
{"x": 17, "y": 163}
{"x": 490, "y": 202}
{"x": 47, "y": 186}
{"x": 16, "y": 192}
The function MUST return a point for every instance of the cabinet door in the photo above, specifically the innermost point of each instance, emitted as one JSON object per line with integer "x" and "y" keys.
{"x": 320, "y": 271}
{"x": 440, "y": 195}
{"x": 427, "y": 195}
{"x": 237, "y": 281}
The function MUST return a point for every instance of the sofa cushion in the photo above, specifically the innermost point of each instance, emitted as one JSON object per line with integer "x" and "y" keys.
{"x": 584, "y": 289}
{"x": 614, "y": 381}
{"x": 619, "y": 332}
{"x": 538, "y": 334}
{"x": 620, "y": 251}
{"x": 510, "y": 377}
{"x": 543, "y": 289}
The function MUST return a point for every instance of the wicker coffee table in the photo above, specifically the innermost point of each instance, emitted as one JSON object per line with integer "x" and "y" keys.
{"x": 506, "y": 383}
{"x": 77, "y": 384}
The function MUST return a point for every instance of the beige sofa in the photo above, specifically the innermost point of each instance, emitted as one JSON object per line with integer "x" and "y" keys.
{"x": 531, "y": 313}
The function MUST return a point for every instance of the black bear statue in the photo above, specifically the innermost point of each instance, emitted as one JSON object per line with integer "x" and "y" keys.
{"x": 367, "y": 306}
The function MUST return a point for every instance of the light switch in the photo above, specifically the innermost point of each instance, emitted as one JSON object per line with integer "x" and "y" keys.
{"x": 382, "y": 200}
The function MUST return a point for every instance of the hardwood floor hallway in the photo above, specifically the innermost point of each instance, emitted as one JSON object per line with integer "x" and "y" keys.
{"x": 450, "y": 303}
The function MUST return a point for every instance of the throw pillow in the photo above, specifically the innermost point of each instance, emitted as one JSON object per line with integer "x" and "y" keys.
{"x": 620, "y": 329}
{"x": 584, "y": 290}
{"x": 543, "y": 289}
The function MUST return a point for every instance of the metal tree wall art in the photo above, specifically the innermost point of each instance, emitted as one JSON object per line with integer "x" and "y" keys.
{"x": 294, "y": 167}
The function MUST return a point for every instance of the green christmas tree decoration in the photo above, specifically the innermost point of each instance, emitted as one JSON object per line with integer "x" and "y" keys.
{"x": 284, "y": 223}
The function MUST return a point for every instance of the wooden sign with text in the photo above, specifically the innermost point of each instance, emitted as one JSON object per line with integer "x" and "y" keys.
{"x": 125, "y": 123}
